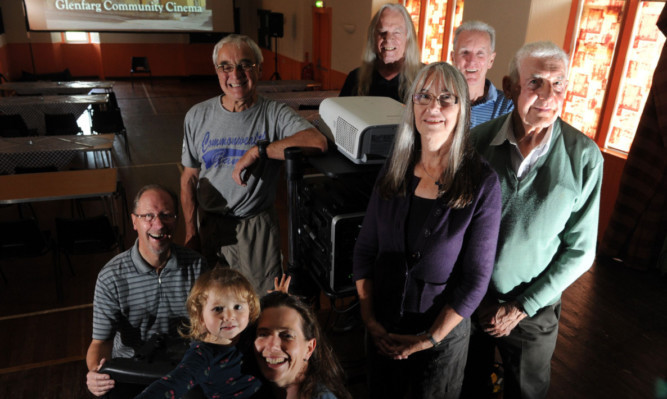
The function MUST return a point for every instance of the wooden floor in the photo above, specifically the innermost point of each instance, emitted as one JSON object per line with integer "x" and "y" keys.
{"x": 613, "y": 333}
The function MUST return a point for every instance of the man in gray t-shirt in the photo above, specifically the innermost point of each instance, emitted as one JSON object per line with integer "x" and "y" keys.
{"x": 231, "y": 147}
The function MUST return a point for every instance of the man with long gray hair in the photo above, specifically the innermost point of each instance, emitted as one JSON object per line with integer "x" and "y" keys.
{"x": 390, "y": 60}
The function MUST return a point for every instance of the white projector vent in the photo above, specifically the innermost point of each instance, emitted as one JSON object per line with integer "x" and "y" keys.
{"x": 345, "y": 134}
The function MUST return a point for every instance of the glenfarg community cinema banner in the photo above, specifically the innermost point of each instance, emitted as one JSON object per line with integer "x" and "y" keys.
{"x": 130, "y": 15}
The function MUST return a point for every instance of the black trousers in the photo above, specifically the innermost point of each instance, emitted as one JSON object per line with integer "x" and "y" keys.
{"x": 431, "y": 373}
{"x": 526, "y": 355}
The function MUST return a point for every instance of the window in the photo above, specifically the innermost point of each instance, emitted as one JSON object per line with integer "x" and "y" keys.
{"x": 616, "y": 48}
{"x": 636, "y": 76}
{"x": 76, "y": 37}
{"x": 435, "y": 22}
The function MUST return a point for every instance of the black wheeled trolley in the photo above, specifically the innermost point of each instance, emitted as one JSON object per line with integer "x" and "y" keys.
{"x": 326, "y": 210}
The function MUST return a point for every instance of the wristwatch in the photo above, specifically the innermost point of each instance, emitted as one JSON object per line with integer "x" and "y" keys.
{"x": 433, "y": 341}
{"x": 261, "y": 148}
{"x": 429, "y": 336}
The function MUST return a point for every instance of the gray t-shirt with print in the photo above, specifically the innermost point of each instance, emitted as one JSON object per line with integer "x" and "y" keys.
{"x": 215, "y": 139}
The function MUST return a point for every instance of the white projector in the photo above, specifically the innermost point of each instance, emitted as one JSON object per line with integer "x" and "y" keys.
{"x": 363, "y": 128}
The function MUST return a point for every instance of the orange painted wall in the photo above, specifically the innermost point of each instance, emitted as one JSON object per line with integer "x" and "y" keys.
{"x": 47, "y": 58}
{"x": 18, "y": 55}
{"x": 108, "y": 60}
{"x": 174, "y": 59}
{"x": 199, "y": 60}
{"x": 82, "y": 59}
{"x": 112, "y": 60}
{"x": 164, "y": 59}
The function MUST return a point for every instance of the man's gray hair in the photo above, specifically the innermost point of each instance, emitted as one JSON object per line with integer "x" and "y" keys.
{"x": 238, "y": 41}
{"x": 541, "y": 50}
{"x": 476, "y": 26}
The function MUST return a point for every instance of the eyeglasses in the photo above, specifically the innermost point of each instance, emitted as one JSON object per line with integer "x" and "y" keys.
{"x": 445, "y": 100}
{"x": 229, "y": 68}
{"x": 164, "y": 217}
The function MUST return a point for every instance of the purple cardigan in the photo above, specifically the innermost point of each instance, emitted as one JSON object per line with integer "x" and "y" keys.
{"x": 456, "y": 243}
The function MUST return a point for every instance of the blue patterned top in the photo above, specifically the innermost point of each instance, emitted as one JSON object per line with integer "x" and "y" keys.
{"x": 495, "y": 104}
{"x": 219, "y": 370}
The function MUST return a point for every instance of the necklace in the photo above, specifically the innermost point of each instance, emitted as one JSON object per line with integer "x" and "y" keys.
{"x": 441, "y": 186}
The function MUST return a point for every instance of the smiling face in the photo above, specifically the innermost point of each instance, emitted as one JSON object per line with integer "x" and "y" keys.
{"x": 390, "y": 36}
{"x": 225, "y": 316}
{"x": 238, "y": 85}
{"x": 281, "y": 348}
{"x": 434, "y": 122}
{"x": 539, "y": 94}
{"x": 155, "y": 237}
{"x": 473, "y": 57}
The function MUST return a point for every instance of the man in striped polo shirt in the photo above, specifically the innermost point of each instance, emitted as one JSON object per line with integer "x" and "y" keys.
{"x": 473, "y": 55}
{"x": 143, "y": 290}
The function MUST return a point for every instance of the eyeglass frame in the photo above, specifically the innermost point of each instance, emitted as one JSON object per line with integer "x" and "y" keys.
{"x": 431, "y": 97}
{"x": 244, "y": 66}
{"x": 150, "y": 217}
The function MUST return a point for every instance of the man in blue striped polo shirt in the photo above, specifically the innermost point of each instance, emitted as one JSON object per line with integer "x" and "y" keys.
{"x": 143, "y": 290}
{"x": 473, "y": 55}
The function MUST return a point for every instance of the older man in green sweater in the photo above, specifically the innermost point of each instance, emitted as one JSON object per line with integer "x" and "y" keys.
{"x": 550, "y": 175}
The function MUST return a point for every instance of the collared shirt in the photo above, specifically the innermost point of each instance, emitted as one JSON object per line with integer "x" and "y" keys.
{"x": 520, "y": 164}
{"x": 132, "y": 302}
{"x": 494, "y": 105}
